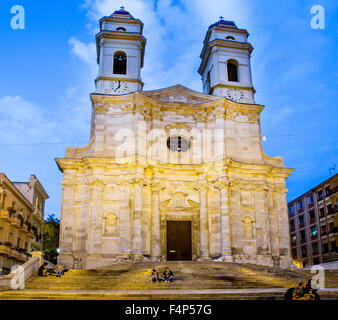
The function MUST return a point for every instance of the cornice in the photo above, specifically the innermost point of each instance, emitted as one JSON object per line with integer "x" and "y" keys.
{"x": 118, "y": 79}
{"x": 222, "y": 85}
{"x": 151, "y": 108}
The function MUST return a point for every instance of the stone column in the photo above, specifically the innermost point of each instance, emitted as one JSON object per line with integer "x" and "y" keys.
{"x": 285, "y": 260}
{"x": 155, "y": 222}
{"x": 66, "y": 227}
{"x": 125, "y": 220}
{"x": 204, "y": 223}
{"x": 262, "y": 226}
{"x": 92, "y": 257}
{"x": 137, "y": 219}
{"x": 226, "y": 241}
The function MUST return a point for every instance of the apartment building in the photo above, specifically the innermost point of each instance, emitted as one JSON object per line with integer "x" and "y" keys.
{"x": 313, "y": 224}
{"x": 16, "y": 215}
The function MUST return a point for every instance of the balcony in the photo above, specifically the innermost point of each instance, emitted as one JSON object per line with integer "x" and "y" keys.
{"x": 311, "y": 205}
{"x": 15, "y": 222}
{"x": 4, "y": 215}
{"x": 5, "y": 249}
{"x": 314, "y": 237}
{"x": 22, "y": 255}
{"x": 315, "y": 253}
{"x": 302, "y": 240}
{"x": 312, "y": 220}
{"x": 301, "y": 225}
{"x": 15, "y": 253}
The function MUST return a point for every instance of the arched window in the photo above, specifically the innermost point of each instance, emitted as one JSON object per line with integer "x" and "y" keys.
{"x": 232, "y": 71}
{"x": 120, "y": 63}
{"x": 230, "y": 38}
{"x": 121, "y": 29}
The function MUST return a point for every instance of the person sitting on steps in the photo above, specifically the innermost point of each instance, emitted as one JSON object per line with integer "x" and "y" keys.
{"x": 311, "y": 292}
{"x": 43, "y": 271}
{"x": 154, "y": 275}
{"x": 299, "y": 293}
{"x": 167, "y": 275}
{"x": 59, "y": 270}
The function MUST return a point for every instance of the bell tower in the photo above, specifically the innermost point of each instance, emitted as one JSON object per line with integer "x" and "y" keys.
{"x": 120, "y": 54}
{"x": 225, "y": 66}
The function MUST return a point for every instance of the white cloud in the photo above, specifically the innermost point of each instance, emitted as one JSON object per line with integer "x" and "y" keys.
{"x": 85, "y": 52}
{"x": 25, "y": 122}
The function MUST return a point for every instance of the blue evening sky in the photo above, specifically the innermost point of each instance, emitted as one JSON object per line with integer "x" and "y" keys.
{"x": 48, "y": 71}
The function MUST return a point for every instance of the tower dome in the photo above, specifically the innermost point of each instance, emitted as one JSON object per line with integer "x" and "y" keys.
{"x": 122, "y": 13}
{"x": 223, "y": 23}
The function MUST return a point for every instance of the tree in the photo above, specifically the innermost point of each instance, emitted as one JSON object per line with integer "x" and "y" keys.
{"x": 51, "y": 231}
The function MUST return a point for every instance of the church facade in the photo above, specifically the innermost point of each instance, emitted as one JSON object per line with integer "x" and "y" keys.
{"x": 173, "y": 174}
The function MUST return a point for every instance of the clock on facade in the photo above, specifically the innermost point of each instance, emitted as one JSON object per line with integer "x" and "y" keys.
{"x": 120, "y": 87}
{"x": 235, "y": 94}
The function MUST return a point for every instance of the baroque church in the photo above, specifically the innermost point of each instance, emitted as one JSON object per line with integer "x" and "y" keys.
{"x": 173, "y": 174}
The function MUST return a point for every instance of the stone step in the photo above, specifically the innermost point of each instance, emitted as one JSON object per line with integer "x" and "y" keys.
{"x": 272, "y": 294}
{"x": 198, "y": 277}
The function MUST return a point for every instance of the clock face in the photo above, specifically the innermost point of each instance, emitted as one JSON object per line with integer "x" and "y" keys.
{"x": 235, "y": 94}
{"x": 120, "y": 87}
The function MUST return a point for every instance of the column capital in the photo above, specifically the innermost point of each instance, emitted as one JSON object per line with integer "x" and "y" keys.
{"x": 138, "y": 181}
{"x": 222, "y": 184}
{"x": 156, "y": 186}
{"x": 202, "y": 186}
{"x": 95, "y": 181}
{"x": 67, "y": 183}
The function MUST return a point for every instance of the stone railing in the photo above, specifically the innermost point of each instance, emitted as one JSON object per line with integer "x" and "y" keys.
{"x": 327, "y": 266}
{"x": 30, "y": 268}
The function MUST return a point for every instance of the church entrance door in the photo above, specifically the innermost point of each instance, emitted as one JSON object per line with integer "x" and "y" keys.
{"x": 179, "y": 240}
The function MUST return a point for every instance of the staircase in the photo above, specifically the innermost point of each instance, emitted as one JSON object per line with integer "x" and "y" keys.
{"x": 193, "y": 280}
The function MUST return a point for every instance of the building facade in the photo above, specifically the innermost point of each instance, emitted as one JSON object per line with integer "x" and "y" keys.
{"x": 173, "y": 174}
{"x": 37, "y": 195}
{"x": 327, "y": 196}
{"x": 16, "y": 216}
{"x": 313, "y": 224}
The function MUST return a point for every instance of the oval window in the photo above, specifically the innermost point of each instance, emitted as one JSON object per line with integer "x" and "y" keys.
{"x": 178, "y": 144}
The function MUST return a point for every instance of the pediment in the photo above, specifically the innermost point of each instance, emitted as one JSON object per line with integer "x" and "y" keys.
{"x": 180, "y": 94}
{"x": 179, "y": 200}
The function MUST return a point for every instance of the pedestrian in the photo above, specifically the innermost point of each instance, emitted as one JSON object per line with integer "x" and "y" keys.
{"x": 168, "y": 275}
{"x": 154, "y": 275}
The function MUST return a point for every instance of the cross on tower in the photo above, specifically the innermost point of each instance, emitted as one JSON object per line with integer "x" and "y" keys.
{"x": 122, "y": 8}
{"x": 221, "y": 17}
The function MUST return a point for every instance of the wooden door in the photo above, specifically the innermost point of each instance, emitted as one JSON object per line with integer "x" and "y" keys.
{"x": 179, "y": 240}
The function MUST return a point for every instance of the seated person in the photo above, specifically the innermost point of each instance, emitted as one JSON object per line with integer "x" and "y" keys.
{"x": 59, "y": 270}
{"x": 43, "y": 270}
{"x": 299, "y": 293}
{"x": 154, "y": 276}
{"x": 167, "y": 275}
{"x": 311, "y": 292}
